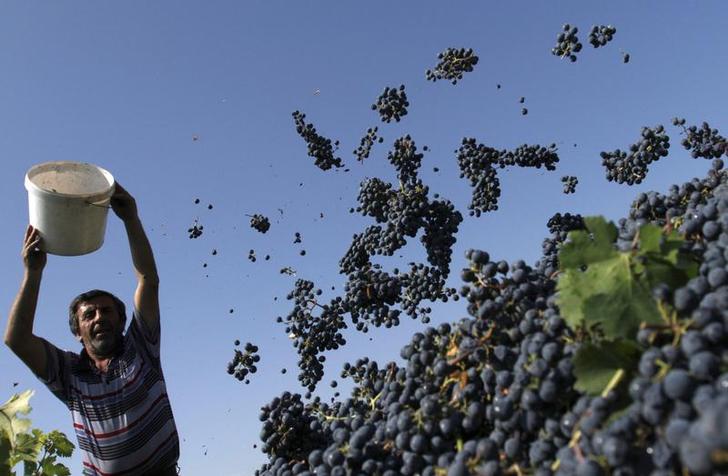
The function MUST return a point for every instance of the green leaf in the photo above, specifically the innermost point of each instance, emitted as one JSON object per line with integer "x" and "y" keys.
{"x": 609, "y": 295}
{"x": 61, "y": 445}
{"x": 661, "y": 260}
{"x": 596, "y": 364}
{"x": 591, "y": 246}
{"x": 5, "y": 448}
{"x": 10, "y": 423}
{"x": 650, "y": 238}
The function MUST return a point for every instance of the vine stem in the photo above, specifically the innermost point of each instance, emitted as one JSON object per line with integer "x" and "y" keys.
{"x": 616, "y": 378}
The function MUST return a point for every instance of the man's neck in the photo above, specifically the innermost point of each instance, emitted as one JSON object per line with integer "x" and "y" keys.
{"x": 98, "y": 361}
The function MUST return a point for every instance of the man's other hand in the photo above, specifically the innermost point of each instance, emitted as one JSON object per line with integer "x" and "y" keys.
{"x": 34, "y": 258}
{"x": 123, "y": 203}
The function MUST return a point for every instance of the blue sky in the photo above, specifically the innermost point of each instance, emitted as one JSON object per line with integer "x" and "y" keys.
{"x": 126, "y": 85}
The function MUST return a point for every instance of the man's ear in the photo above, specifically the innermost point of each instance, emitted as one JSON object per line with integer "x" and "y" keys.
{"x": 79, "y": 338}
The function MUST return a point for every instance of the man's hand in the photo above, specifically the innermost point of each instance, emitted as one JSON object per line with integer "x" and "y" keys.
{"x": 34, "y": 258}
{"x": 123, "y": 204}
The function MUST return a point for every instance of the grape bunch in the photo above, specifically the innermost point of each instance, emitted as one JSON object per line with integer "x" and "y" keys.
{"x": 260, "y": 223}
{"x": 478, "y": 163}
{"x": 319, "y": 147}
{"x": 631, "y": 166}
{"x": 570, "y": 183}
{"x": 312, "y": 333}
{"x": 703, "y": 141}
{"x": 453, "y": 63}
{"x": 392, "y": 104}
{"x": 567, "y": 43}
{"x": 600, "y": 35}
{"x": 195, "y": 230}
{"x": 366, "y": 143}
{"x": 405, "y": 159}
{"x": 559, "y": 226}
{"x": 251, "y": 256}
{"x": 243, "y": 362}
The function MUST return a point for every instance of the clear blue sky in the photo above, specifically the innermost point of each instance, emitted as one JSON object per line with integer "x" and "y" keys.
{"x": 127, "y": 85}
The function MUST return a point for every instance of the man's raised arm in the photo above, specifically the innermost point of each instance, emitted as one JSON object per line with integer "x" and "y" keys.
{"x": 146, "y": 297}
{"x": 19, "y": 331}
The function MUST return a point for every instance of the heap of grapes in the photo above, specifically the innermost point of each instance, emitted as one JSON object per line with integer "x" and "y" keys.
{"x": 539, "y": 379}
{"x": 453, "y": 64}
{"x": 392, "y": 104}
{"x": 243, "y": 362}
{"x": 631, "y": 166}
{"x": 319, "y": 147}
{"x": 606, "y": 356}
{"x": 478, "y": 163}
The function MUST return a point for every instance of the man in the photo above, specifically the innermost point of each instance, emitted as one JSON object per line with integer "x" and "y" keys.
{"x": 114, "y": 388}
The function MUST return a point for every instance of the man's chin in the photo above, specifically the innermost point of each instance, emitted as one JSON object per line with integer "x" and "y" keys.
{"x": 104, "y": 346}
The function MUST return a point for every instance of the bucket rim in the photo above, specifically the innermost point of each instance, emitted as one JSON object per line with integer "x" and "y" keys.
{"x": 92, "y": 198}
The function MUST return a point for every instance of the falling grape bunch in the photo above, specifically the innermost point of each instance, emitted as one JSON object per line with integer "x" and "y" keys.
{"x": 570, "y": 183}
{"x": 319, "y": 147}
{"x": 243, "y": 362}
{"x": 392, "y": 104}
{"x": 453, "y": 64}
{"x": 260, "y": 223}
{"x": 567, "y": 43}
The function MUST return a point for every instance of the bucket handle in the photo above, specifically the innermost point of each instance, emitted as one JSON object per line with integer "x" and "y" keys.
{"x": 97, "y": 205}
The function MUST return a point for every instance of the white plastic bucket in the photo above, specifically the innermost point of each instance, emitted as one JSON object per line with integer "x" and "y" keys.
{"x": 68, "y": 203}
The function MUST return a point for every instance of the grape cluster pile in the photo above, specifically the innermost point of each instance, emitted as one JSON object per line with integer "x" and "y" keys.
{"x": 453, "y": 63}
{"x": 478, "y": 163}
{"x": 567, "y": 43}
{"x": 243, "y": 362}
{"x": 703, "y": 141}
{"x": 195, "y": 230}
{"x": 319, "y": 147}
{"x": 631, "y": 166}
{"x": 494, "y": 393}
{"x": 392, "y": 104}
{"x": 260, "y": 223}
{"x": 601, "y": 35}
{"x": 570, "y": 182}
{"x": 366, "y": 143}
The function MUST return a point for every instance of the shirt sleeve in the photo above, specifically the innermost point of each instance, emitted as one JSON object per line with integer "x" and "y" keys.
{"x": 58, "y": 371}
{"x": 145, "y": 337}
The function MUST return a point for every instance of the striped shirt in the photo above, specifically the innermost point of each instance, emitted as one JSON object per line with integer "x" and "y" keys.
{"x": 122, "y": 418}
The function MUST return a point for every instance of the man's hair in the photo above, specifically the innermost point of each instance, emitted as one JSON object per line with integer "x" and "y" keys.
{"x": 87, "y": 296}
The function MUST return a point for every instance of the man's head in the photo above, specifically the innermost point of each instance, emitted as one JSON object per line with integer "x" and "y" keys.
{"x": 97, "y": 319}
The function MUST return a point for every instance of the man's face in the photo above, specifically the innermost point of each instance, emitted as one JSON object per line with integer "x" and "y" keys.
{"x": 99, "y": 325}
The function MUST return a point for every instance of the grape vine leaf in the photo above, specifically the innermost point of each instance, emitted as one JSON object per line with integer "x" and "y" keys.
{"x": 607, "y": 293}
{"x": 596, "y": 364}
{"x": 661, "y": 259}
{"x": 593, "y": 245}
{"x": 10, "y": 424}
